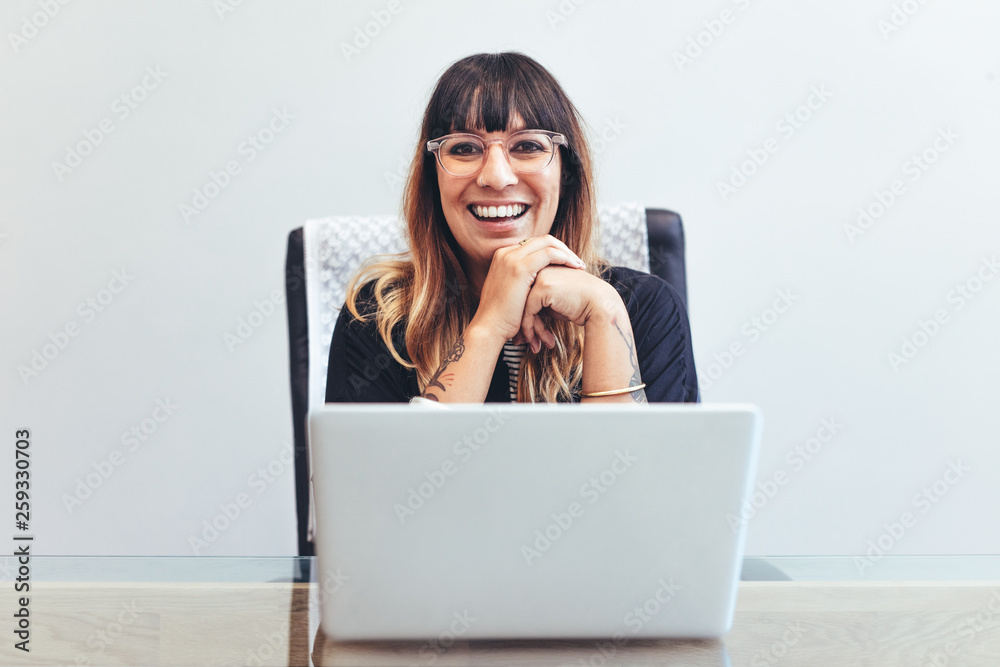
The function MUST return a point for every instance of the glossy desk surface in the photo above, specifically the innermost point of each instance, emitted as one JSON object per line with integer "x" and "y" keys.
{"x": 816, "y": 611}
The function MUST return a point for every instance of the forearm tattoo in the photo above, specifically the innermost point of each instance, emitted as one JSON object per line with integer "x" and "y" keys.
{"x": 440, "y": 379}
{"x": 638, "y": 396}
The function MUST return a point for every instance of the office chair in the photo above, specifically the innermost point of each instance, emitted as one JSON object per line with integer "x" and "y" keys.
{"x": 323, "y": 255}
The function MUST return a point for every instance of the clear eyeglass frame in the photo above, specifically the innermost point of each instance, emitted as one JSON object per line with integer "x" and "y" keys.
{"x": 435, "y": 145}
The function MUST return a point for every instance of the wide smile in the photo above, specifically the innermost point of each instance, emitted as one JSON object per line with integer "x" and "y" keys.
{"x": 498, "y": 213}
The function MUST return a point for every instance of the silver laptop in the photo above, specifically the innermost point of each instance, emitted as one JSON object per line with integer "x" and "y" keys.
{"x": 530, "y": 521}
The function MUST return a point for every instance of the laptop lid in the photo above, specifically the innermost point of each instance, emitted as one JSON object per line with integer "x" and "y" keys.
{"x": 531, "y": 521}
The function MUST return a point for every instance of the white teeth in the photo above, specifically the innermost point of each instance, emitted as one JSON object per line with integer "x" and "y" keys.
{"x": 506, "y": 211}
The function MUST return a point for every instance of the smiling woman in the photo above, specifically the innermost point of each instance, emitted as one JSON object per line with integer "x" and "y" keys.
{"x": 503, "y": 296}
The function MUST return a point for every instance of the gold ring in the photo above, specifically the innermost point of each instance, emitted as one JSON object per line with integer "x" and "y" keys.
{"x": 523, "y": 242}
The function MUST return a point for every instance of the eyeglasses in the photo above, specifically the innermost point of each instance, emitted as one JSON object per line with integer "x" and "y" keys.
{"x": 527, "y": 151}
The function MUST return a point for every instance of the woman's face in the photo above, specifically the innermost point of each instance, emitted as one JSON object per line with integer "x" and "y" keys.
{"x": 498, "y": 185}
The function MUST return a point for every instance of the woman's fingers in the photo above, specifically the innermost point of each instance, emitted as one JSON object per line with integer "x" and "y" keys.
{"x": 536, "y": 334}
{"x": 533, "y": 326}
{"x": 548, "y": 256}
{"x": 551, "y": 248}
{"x": 527, "y": 331}
{"x": 543, "y": 335}
{"x": 531, "y": 308}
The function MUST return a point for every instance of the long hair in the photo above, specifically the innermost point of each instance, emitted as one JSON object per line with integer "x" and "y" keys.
{"x": 426, "y": 290}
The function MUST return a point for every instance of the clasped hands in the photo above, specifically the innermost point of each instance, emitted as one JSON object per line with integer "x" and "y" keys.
{"x": 538, "y": 278}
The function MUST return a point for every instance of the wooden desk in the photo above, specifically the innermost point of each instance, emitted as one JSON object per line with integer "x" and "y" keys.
{"x": 175, "y": 622}
{"x": 777, "y": 623}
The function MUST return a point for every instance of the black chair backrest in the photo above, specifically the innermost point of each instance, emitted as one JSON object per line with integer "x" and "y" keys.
{"x": 666, "y": 248}
{"x": 666, "y": 260}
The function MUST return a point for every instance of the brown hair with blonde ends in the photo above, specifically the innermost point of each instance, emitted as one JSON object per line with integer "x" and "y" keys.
{"x": 426, "y": 290}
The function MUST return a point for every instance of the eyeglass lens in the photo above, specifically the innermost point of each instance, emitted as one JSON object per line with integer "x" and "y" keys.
{"x": 527, "y": 152}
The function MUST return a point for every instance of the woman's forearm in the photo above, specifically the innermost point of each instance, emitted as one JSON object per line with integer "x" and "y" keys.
{"x": 609, "y": 356}
{"x": 467, "y": 370}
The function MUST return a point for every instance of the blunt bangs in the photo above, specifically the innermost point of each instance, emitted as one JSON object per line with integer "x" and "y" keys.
{"x": 484, "y": 93}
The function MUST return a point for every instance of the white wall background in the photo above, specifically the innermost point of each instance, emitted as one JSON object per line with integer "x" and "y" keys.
{"x": 684, "y": 128}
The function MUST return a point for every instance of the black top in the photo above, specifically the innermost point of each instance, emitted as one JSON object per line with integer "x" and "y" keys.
{"x": 362, "y": 370}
